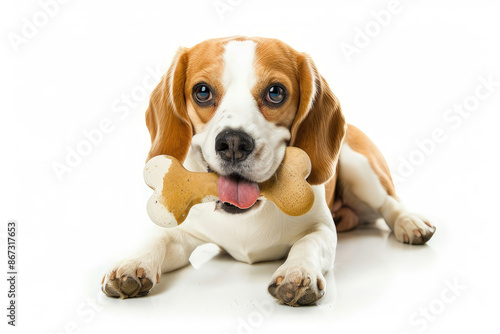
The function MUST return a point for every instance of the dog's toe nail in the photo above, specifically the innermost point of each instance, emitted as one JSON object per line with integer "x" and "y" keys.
{"x": 320, "y": 284}
{"x": 306, "y": 282}
{"x": 140, "y": 273}
{"x": 279, "y": 279}
{"x": 406, "y": 239}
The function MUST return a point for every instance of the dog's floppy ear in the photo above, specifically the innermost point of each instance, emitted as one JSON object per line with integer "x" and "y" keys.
{"x": 166, "y": 117}
{"x": 319, "y": 126}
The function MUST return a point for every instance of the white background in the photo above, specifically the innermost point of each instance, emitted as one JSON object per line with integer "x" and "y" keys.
{"x": 75, "y": 71}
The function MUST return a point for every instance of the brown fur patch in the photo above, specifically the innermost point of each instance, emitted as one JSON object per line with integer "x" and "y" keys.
{"x": 319, "y": 126}
{"x": 205, "y": 65}
{"x": 275, "y": 62}
{"x": 360, "y": 143}
{"x": 166, "y": 117}
{"x": 330, "y": 188}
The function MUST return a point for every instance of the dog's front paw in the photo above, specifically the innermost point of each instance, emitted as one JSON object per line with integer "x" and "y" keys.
{"x": 297, "y": 286}
{"x": 411, "y": 228}
{"x": 130, "y": 278}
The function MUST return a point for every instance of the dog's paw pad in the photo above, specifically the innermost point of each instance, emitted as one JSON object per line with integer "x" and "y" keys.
{"x": 297, "y": 287}
{"x": 126, "y": 281}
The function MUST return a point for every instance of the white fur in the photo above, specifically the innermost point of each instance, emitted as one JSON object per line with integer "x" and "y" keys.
{"x": 358, "y": 175}
{"x": 363, "y": 192}
{"x": 265, "y": 233}
{"x": 238, "y": 110}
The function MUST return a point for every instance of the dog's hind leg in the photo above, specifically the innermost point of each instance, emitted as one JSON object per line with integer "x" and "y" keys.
{"x": 366, "y": 187}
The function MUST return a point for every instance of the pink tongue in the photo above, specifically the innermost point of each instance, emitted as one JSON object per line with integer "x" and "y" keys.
{"x": 238, "y": 192}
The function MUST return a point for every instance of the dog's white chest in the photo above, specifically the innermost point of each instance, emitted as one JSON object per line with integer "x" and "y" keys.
{"x": 254, "y": 238}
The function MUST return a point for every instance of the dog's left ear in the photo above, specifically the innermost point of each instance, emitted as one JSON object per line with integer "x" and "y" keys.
{"x": 319, "y": 126}
{"x": 167, "y": 118}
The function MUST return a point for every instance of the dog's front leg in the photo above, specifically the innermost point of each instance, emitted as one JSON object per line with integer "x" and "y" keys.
{"x": 300, "y": 280}
{"x": 134, "y": 277}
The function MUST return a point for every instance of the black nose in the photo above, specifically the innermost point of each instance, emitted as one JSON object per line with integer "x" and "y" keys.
{"x": 234, "y": 146}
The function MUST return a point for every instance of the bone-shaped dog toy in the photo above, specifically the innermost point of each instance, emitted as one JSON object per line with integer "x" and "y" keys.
{"x": 176, "y": 190}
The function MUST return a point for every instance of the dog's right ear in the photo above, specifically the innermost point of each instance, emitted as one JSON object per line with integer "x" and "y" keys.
{"x": 319, "y": 126}
{"x": 166, "y": 117}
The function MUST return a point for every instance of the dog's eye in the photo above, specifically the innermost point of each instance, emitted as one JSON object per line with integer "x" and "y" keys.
{"x": 275, "y": 94}
{"x": 202, "y": 94}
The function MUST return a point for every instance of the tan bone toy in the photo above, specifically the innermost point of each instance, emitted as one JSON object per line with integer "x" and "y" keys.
{"x": 176, "y": 190}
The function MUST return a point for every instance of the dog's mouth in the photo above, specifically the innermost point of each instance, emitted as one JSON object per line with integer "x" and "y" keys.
{"x": 233, "y": 209}
{"x": 237, "y": 194}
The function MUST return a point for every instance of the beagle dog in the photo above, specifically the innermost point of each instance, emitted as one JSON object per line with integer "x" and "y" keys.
{"x": 232, "y": 106}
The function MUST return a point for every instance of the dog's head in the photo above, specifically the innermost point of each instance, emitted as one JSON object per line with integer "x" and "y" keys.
{"x": 238, "y": 102}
